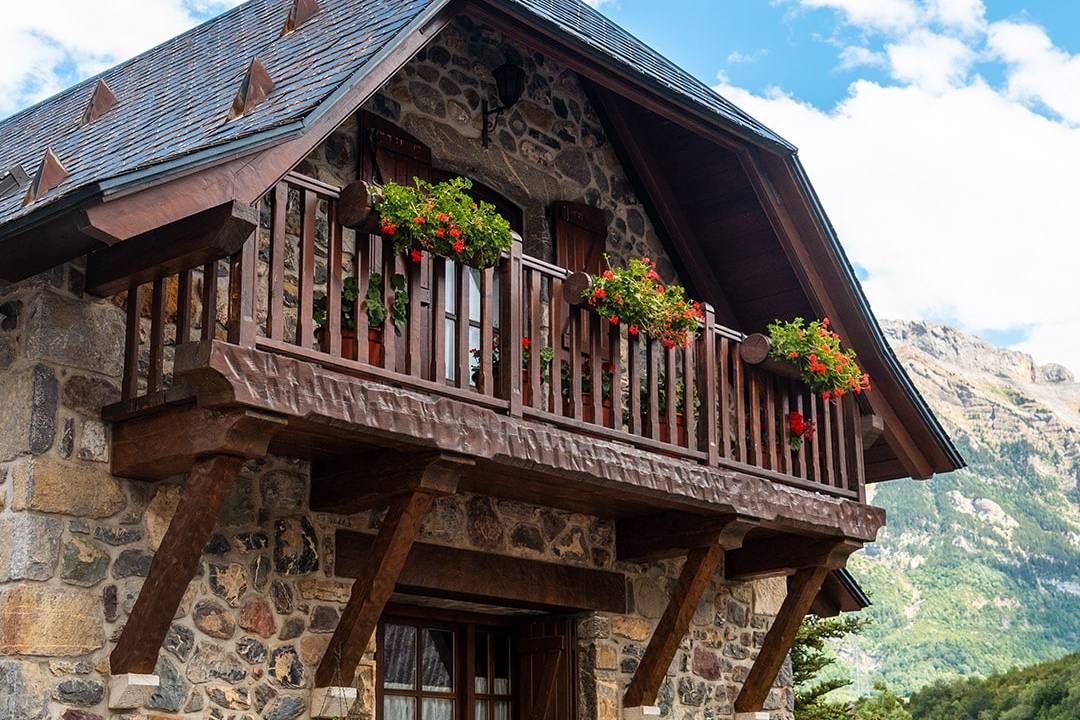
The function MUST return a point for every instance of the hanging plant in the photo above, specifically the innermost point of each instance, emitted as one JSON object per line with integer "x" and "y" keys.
{"x": 635, "y": 296}
{"x": 815, "y": 351}
{"x": 443, "y": 220}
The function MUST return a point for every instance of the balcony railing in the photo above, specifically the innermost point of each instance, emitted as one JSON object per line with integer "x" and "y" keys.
{"x": 481, "y": 336}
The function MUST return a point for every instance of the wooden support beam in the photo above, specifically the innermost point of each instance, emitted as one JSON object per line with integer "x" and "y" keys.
{"x": 872, "y": 428}
{"x": 480, "y": 577}
{"x": 192, "y": 241}
{"x": 802, "y": 590}
{"x": 174, "y": 564}
{"x": 697, "y": 573}
{"x": 673, "y": 534}
{"x": 381, "y": 567}
{"x": 786, "y": 554}
{"x": 348, "y": 485}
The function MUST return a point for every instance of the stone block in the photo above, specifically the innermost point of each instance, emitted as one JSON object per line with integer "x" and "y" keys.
{"x": 642, "y": 712}
{"x": 75, "y": 333}
{"x": 45, "y": 621}
{"x": 51, "y": 485}
{"x": 769, "y": 594}
{"x": 752, "y": 716}
{"x": 24, "y": 690}
{"x": 29, "y": 546}
{"x": 332, "y": 702}
{"x": 131, "y": 690}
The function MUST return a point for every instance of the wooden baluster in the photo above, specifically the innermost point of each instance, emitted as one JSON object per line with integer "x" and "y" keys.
{"x": 414, "y": 342}
{"x": 183, "y": 308}
{"x": 305, "y": 329}
{"x": 671, "y": 396}
{"x": 615, "y": 350}
{"x": 724, "y": 440}
{"x": 209, "y": 300}
{"x": 773, "y": 453}
{"x": 157, "y": 337}
{"x": 784, "y": 388}
{"x": 461, "y": 326}
{"x": 755, "y": 418}
{"x": 130, "y": 385}
{"x": 653, "y": 350}
{"x": 275, "y": 311}
{"x": 390, "y": 264}
{"x": 815, "y": 445}
{"x": 576, "y": 315}
{"x": 438, "y": 319}
{"x": 689, "y": 418}
{"x": 487, "y": 333}
{"x": 333, "y": 280}
{"x": 362, "y": 265}
{"x": 739, "y": 388}
{"x": 558, "y": 309}
{"x": 633, "y": 356}
{"x": 596, "y": 363}
{"x": 841, "y": 446}
{"x": 706, "y": 382}
{"x": 242, "y": 295}
{"x": 511, "y": 274}
{"x": 858, "y": 461}
{"x": 535, "y": 338}
{"x": 802, "y": 449}
{"x": 827, "y": 436}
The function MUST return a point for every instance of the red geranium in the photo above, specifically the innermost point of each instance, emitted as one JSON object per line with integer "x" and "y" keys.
{"x": 800, "y": 429}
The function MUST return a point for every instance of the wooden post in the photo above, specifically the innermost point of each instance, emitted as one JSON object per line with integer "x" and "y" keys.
{"x": 804, "y": 587}
{"x": 706, "y": 369}
{"x": 510, "y": 305}
{"x": 383, "y": 565}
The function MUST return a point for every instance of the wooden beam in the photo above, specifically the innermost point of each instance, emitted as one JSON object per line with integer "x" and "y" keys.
{"x": 377, "y": 578}
{"x": 673, "y": 534}
{"x": 697, "y": 573}
{"x": 348, "y": 485}
{"x": 802, "y": 590}
{"x": 872, "y": 428}
{"x": 190, "y": 242}
{"x": 164, "y": 444}
{"x": 452, "y": 573}
{"x": 174, "y": 564}
{"x": 786, "y": 554}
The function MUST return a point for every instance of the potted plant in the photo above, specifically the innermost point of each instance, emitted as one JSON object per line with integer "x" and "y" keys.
{"x": 377, "y": 312}
{"x": 813, "y": 350}
{"x": 444, "y": 220}
{"x": 636, "y": 297}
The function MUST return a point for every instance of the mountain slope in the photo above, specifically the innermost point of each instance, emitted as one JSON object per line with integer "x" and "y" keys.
{"x": 978, "y": 571}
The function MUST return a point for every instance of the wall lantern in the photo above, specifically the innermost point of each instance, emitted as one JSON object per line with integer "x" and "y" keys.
{"x": 510, "y": 83}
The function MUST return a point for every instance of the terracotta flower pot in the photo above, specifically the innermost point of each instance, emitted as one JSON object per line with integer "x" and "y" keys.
{"x": 665, "y": 433}
{"x": 348, "y": 344}
{"x": 589, "y": 416}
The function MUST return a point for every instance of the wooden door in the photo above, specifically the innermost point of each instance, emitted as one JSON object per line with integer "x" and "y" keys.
{"x": 547, "y": 670}
{"x": 580, "y": 237}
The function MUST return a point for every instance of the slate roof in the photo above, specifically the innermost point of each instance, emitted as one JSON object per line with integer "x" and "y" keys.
{"x": 173, "y": 99}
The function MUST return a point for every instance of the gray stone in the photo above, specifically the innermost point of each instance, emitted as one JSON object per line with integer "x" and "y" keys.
{"x": 76, "y": 714}
{"x": 25, "y": 694}
{"x": 29, "y": 546}
{"x": 527, "y": 537}
{"x": 285, "y": 667}
{"x": 573, "y": 162}
{"x": 229, "y": 582}
{"x": 173, "y": 689}
{"x": 262, "y": 695}
{"x": 93, "y": 441}
{"x": 286, "y": 708}
{"x": 250, "y": 541}
{"x": 194, "y": 702}
{"x": 260, "y": 572}
{"x": 214, "y": 619}
{"x": 230, "y": 698}
{"x": 283, "y": 489}
{"x": 216, "y": 545}
{"x": 67, "y": 438}
{"x": 292, "y": 628}
{"x": 44, "y": 401}
{"x": 239, "y": 507}
{"x": 110, "y": 603}
{"x": 79, "y": 691}
{"x": 296, "y": 546}
{"x": 483, "y": 525}
{"x": 214, "y": 662}
{"x": 118, "y": 535}
{"x": 572, "y": 546}
{"x": 7, "y": 353}
{"x": 323, "y": 619}
{"x": 83, "y": 563}
{"x": 92, "y": 339}
{"x": 132, "y": 563}
{"x": 179, "y": 641}
{"x": 251, "y": 650}
{"x": 282, "y": 595}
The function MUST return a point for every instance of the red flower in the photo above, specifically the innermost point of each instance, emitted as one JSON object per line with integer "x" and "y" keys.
{"x": 607, "y": 368}
{"x": 633, "y": 330}
{"x": 614, "y": 319}
{"x": 793, "y": 354}
{"x": 454, "y": 232}
{"x": 440, "y": 232}
{"x": 416, "y": 256}
{"x": 826, "y": 395}
{"x": 389, "y": 229}
{"x": 669, "y": 344}
{"x": 443, "y": 217}
{"x": 599, "y": 293}
{"x": 419, "y": 220}
{"x": 526, "y": 342}
{"x": 459, "y": 245}
{"x": 796, "y": 423}
{"x": 608, "y": 275}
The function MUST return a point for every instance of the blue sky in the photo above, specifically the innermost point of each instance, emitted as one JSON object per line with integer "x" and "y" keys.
{"x": 942, "y": 135}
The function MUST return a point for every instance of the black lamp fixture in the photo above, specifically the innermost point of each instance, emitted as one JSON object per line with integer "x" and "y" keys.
{"x": 510, "y": 83}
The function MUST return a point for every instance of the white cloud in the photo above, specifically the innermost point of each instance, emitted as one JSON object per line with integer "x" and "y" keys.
{"x": 49, "y": 44}
{"x": 598, "y": 3}
{"x": 1037, "y": 70}
{"x": 967, "y": 16}
{"x": 855, "y": 56}
{"x": 890, "y": 15}
{"x": 960, "y": 203}
{"x": 737, "y": 57}
{"x": 931, "y": 61}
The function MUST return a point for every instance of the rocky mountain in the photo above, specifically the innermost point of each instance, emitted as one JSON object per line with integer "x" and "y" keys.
{"x": 978, "y": 571}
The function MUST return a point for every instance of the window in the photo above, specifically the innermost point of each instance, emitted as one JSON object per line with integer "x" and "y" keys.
{"x": 431, "y": 670}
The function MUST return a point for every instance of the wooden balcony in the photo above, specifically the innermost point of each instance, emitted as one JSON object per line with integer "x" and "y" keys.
{"x": 478, "y": 338}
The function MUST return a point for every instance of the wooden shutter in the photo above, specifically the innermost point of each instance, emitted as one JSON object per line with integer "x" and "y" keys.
{"x": 580, "y": 237}
{"x": 547, "y": 670}
{"x": 389, "y": 153}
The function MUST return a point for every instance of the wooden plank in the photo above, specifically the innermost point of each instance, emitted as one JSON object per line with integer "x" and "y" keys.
{"x": 633, "y": 355}
{"x": 857, "y": 460}
{"x": 183, "y": 307}
{"x": 815, "y": 443}
{"x": 773, "y": 451}
{"x": 577, "y": 320}
{"x": 349, "y": 484}
{"x": 414, "y": 344}
{"x": 155, "y": 376}
{"x": 784, "y": 554}
{"x": 653, "y": 349}
{"x": 784, "y": 388}
{"x": 241, "y": 325}
{"x": 275, "y": 311}
{"x": 739, "y": 388}
{"x": 305, "y": 329}
{"x": 174, "y": 564}
{"x": 596, "y": 366}
{"x": 615, "y": 350}
{"x": 672, "y": 533}
{"x": 827, "y": 438}
{"x": 724, "y": 381}
{"x": 802, "y": 590}
{"x": 437, "y": 372}
{"x": 536, "y": 339}
{"x": 558, "y": 314}
{"x": 671, "y": 395}
{"x": 689, "y": 386}
{"x": 696, "y": 576}
{"x": 510, "y": 322}
{"x": 473, "y": 576}
{"x": 130, "y": 385}
{"x": 756, "y": 440}
{"x": 841, "y": 444}
{"x": 390, "y": 268}
{"x": 209, "y": 300}
{"x": 461, "y": 326}
{"x": 706, "y": 382}
{"x": 333, "y": 281}
{"x": 373, "y": 587}
{"x": 363, "y": 268}
{"x": 799, "y": 408}
{"x": 487, "y": 334}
